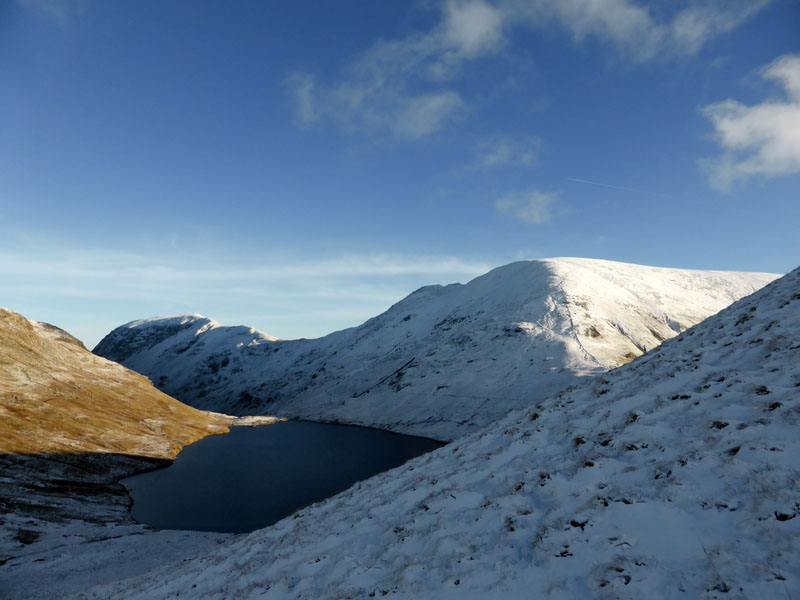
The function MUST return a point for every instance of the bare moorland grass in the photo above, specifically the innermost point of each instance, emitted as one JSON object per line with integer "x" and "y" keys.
{"x": 57, "y": 397}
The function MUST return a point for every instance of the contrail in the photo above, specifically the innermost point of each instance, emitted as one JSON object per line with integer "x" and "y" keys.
{"x": 618, "y": 187}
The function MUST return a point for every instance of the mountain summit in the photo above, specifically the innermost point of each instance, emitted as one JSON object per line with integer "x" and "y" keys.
{"x": 446, "y": 359}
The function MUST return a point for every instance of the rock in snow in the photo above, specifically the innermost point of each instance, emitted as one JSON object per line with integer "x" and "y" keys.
{"x": 444, "y": 361}
{"x": 675, "y": 476}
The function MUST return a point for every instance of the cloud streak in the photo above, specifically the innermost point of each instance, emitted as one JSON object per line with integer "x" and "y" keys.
{"x": 617, "y": 187}
{"x": 760, "y": 140}
{"x": 131, "y": 266}
{"x": 88, "y": 292}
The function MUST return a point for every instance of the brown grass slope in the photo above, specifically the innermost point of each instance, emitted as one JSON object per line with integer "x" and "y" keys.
{"x": 57, "y": 397}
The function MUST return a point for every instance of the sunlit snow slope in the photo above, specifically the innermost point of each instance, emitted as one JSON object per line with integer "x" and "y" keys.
{"x": 675, "y": 476}
{"x": 443, "y": 361}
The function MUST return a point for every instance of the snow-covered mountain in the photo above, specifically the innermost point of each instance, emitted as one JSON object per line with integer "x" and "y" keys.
{"x": 675, "y": 476}
{"x": 445, "y": 360}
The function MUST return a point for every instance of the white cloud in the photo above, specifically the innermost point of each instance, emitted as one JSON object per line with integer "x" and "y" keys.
{"x": 763, "y": 139}
{"x": 621, "y": 22}
{"x": 532, "y": 207}
{"x": 472, "y": 28}
{"x": 406, "y": 87}
{"x": 633, "y": 27}
{"x": 402, "y": 86}
{"x": 786, "y": 71}
{"x": 697, "y": 24}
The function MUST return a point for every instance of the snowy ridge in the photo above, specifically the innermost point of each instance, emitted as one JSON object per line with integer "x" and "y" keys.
{"x": 675, "y": 476}
{"x": 144, "y": 334}
{"x": 445, "y": 360}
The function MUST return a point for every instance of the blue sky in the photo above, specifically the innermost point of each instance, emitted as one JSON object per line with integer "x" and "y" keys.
{"x": 300, "y": 166}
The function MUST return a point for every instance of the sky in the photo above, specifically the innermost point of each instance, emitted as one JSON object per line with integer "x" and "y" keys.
{"x": 300, "y": 166}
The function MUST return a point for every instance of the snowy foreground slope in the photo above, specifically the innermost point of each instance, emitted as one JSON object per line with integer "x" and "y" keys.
{"x": 445, "y": 360}
{"x": 675, "y": 476}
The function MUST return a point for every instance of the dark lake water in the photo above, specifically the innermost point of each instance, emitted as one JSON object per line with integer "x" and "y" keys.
{"x": 254, "y": 476}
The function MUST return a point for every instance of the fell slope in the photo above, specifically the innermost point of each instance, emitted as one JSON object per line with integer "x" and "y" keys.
{"x": 675, "y": 476}
{"x": 72, "y": 424}
{"x": 56, "y": 396}
{"x": 445, "y": 360}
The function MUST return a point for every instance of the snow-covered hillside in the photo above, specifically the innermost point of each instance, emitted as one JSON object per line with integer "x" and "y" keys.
{"x": 675, "y": 476}
{"x": 445, "y": 360}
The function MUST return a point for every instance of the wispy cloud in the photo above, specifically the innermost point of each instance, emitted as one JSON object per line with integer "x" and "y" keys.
{"x": 311, "y": 297}
{"x": 406, "y": 87}
{"x": 694, "y": 26}
{"x": 625, "y": 24}
{"x": 507, "y": 151}
{"x": 401, "y": 86}
{"x": 534, "y": 207}
{"x": 426, "y": 114}
{"x": 130, "y": 270}
{"x": 302, "y": 88}
{"x": 60, "y": 11}
{"x": 763, "y": 139}
{"x": 635, "y": 30}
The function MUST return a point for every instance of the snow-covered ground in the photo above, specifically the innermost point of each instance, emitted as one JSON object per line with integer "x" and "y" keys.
{"x": 66, "y": 526}
{"x": 675, "y": 476}
{"x": 444, "y": 361}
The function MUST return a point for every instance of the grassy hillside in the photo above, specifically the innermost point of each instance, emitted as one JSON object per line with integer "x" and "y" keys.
{"x": 57, "y": 397}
